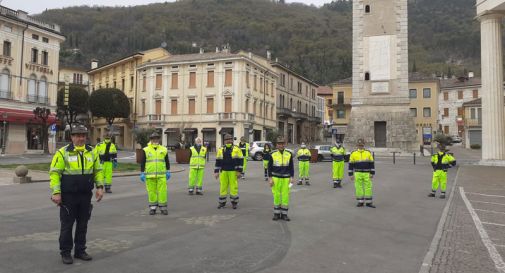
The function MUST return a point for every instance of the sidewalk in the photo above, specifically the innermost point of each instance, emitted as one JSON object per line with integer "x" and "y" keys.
{"x": 472, "y": 233}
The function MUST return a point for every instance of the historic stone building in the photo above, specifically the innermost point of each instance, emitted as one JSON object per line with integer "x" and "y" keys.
{"x": 380, "y": 99}
{"x": 28, "y": 78}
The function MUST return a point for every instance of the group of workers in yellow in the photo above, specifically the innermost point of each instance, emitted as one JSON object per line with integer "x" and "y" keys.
{"x": 77, "y": 168}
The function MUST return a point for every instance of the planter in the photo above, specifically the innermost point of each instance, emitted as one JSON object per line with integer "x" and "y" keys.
{"x": 182, "y": 156}
{"x": 313, "y": 155}
{"x": 139, "y": 154}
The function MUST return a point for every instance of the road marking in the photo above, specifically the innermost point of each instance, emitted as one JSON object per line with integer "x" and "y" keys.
{"x": 499, "y": 245}
{"x": 493, "y": 253}
{"x": 492, "y": 211}
{"x": 493, "y": 224}
{"x": 483, "y": 202}
{"x": 487, "y": 195}
{"x": 428, "y": 259}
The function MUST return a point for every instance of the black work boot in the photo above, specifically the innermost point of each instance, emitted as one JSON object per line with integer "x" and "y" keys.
{"x": 234, "y": 205}
{"x": 199, "y": 193}
{"x": 152, "y": 211}
{"x": 339, "y": 184}
{"x": 221, "y": 205}
{"x": 108, "y": 190}
{"x": 277, "y": 216}
{"x": 431, "y": 194}
{"x": 66, "y": 258}
{"x": 190, "y": 192}
{"x": 307, "y": 182}
{"x": 299, "y": 182}
{"x": 164, "y": 211}
{"x": 285, "y": 217}
{"x": 370, "y": 205}
{"x": 83, "y": 256}
{"x": 335, "y": 184}
{"x": 442, "y": 195}
{"x": 360, "y": 204}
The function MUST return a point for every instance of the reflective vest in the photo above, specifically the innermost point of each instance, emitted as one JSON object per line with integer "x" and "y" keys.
{"x": 197, "y": 160}
{"x": 229, "y": 159}
{"x": 245, "y": 149}
{"x": 155, "y": 161}
{"x": 75, "y": 172}
{"x": 337, "y": 154}
{"x": 303, "y": 154}
{"x": 105, "y": 155}
{"x": 280, "y": 164}
{"x": 361, "y": 161}
{"x": 442, "y": 161}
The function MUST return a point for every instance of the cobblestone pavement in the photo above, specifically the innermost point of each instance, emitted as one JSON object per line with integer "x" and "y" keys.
{"x": 462, "y": 246}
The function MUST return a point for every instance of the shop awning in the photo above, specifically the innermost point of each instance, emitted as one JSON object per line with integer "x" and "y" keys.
{"x": 22, "y": 116}
{"x": 171, "y": 130}
{"x": 208, "y": 129}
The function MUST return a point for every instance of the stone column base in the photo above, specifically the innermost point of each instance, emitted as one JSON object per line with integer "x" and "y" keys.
{"x": 22, "y": 180}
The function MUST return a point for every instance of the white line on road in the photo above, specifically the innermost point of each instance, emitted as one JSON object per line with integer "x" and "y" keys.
{"x": 492, "y": 211}
{"x": 493, "y": 253}
{"x": 487, "y": 195}
{"x": 493, "y": 224}
{"x": 428, "y": 259}
{"x": 483, "y": 202}
{"x": 499, "y": 245}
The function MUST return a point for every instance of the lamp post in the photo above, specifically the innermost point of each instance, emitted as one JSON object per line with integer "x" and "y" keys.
{"x": 4, "y": 137}
{"x": 264, "y": 104}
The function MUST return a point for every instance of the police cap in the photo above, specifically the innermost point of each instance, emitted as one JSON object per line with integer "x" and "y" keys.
{"x": 154, "y": 135}
{"x": 228, "y": 137}
{"x": 79, "y": 129}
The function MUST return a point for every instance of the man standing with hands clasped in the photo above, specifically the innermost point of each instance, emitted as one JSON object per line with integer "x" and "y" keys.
{"x": 75, "y": 170}
{"x": 281, "y": 172}
{"x": 361, "y": 171}
{"x": 229, "y": 162}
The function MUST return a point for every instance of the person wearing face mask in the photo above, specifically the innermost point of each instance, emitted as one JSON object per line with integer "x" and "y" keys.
{"x": 244, "y": 147}
{"x": 108, "y": 157}
{"x": 337, "y": 156}
{"x": 361, "y": 171}
{"x": 75, "y": 170}
{"x": 303, "y": 156}
{"x": 280, "y": 173}
{"x": 197, "y": 167}
{"x": 267, "y": 151}
{"x": 229, "y": 163}
{"x": 155, "y": 171}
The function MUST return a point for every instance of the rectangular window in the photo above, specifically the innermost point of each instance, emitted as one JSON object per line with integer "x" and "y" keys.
{"x": 283, "y": 80}
{"x": 266, "y": 87}
{"x": 7, "y": 49}
{"x": 158, "y": 81}
{"x": 291, "y": 84}
{"x": 175, "y": 80}
{"x": 446, "y": 130}
{"x": 132, "y": 81}
{"x": 426, "y": 93}
{"x": 210, "y": 105}
{"x": 475, "y": 94}
{"x": 123, "y": 87}
{"x": 173, "y": 107}
{"x": 191, "y": 106}
{"x": 210, "y": 78}
{"x": 272, "y": 88}
{"x": 426, "y": 112}
{"x": 446, "y": 95}
{"x": 446, "y": 112}
{"x": 413, "y": 93}
{"x": 247, "y": 79}
{"x": 45, "y": 40}
{"x": 460, "y": 95}
{"x": 340, "y": 113}
{"x": 413, "y": 112}
{"x": 227, "y": 77}
{"x": 192, "y": 80}
{"x": 227, "y": 105}
{"x": 144, "y": 83}
{"x": 340, "y": 97}
{"x": 143, "y": 107}
{"x": 299, "y": 87}
{"x": 35, "y": 55}
{"x": 35, "y": 36}
{"x": 158, "y": 107}
{"x": 460, "y": 111}
{"x": 472, "y": 113}
{"x": 261, "y": 84}
{"x": 255, "y": 86}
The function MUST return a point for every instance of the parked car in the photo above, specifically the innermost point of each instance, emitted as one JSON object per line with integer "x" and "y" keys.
{"x": 256, "y": 149}
{"x": 323, "y": 153}
{"x": 456, "y": 139}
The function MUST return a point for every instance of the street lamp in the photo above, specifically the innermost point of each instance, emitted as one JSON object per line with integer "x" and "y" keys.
{"x": 4, "y": 137}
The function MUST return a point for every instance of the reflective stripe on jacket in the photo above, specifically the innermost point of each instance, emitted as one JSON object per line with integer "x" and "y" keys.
{"x": 361, "y": 160}
{"x": 442, "y": 161}
{"x": 337, "y": 154}
{"x": 303, "y": 154}
{"x": 229, "y": 159}
{"x": 110, "y": 155}
{"x": 197, "y": 160}
{"x": 281, "y": 164}
{"x": 155, "y": 161}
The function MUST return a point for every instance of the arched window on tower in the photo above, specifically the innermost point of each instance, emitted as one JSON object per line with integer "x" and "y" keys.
{"x": 367, "y": 9}
{"x": 367, "y": 76}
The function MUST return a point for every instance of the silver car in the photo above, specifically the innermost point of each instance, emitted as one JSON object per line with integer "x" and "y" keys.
{"x": 323, "y": 152}
{"x": 256, "y": 149}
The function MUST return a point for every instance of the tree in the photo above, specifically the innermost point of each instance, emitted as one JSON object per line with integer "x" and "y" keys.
{"x": 109, "y": 103}
{"x": 142, "y": 135}
{"x": 77, "y": 104}
{"x": 42, "y": 114}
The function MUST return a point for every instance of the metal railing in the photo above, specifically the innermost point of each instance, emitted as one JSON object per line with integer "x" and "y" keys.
{"x": 156, "y": 117}
{"x": 38, "y": 99}
{"x": 6, "y": 95}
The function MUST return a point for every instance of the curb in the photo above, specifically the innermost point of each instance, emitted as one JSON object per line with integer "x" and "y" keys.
{"x": 428, "y": 259}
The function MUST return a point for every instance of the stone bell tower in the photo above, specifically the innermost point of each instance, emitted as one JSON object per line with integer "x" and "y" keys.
{"x": 380, "y": 111}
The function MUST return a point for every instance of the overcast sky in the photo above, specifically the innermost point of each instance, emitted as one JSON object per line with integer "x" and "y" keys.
{"x": 38, "y": 6}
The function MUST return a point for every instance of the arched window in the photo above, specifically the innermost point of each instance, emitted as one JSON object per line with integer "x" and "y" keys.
{"x": 367, "y": 9}
{"x": 32, "y": 91}
{"x": 367, "y": 76}
{"x": 42, "y": 95}
{"x": 5, "y": 84}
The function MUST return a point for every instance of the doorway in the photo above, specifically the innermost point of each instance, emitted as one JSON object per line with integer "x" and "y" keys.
{"x": 380, "y": 133}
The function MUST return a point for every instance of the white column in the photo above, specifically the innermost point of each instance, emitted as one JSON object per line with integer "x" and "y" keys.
{"x": 493, "y": 121}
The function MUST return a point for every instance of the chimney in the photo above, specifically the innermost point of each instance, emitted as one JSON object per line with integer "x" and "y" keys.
{"x": 269, "y": 55}
{"x": 217, "y": 49}
{"x": 94, "y": 63}
{"x": 250, "y": 55}
{"x": 276, "y": 60}
{"x": 470, "y": 75}
{"x": 201, "y": 50}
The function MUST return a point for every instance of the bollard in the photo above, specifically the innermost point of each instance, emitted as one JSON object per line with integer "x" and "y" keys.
{"x": 414, "y": 158}
{"x": 394, "y": 157}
